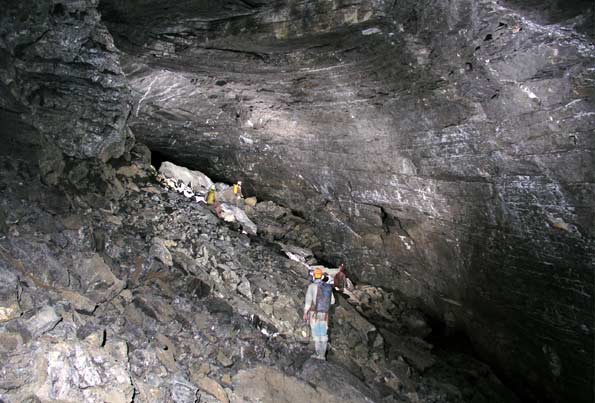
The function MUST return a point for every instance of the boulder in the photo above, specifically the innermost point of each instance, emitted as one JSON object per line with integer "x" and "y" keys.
{"x": 300, "y": 255}
{"x": 210, "y": 386}
{"x": 199, "y": 182}
{"x": 270, "y": 209}
{"x": 244, "y": 288}
{"x": 337, "y": 380}
{"x": 182, "y": 390}
{"x": 10, "y": 342}
{"x": 251, "y": 201}
{"x": 231, "y": 213}
{"x": 79, "y": 302}
{"x": 98, "y": 283}
{"x": 43, "y": 321}
{"x": 161, "y": 253}
{"x": 131, "y": 171}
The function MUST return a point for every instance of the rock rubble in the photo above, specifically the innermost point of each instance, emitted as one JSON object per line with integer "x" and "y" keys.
{"x": 144, "y": 295}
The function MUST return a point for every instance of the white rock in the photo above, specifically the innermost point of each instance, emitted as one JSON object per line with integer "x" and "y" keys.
{"x": 244, "y": 288}
{"x": 371, "y": 31}
{"x": 239, "y": 215}
{"x": 199, "y": 182}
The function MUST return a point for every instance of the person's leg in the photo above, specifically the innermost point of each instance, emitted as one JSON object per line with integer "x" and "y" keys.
{"x": 314, "y": 336}
{"x": 323, "y": 340}
{"x": 322, "y": 351}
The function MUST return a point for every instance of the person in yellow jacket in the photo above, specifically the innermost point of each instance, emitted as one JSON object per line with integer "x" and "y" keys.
{"x": 211, "y": 196}
{"x": 237, "y": 190}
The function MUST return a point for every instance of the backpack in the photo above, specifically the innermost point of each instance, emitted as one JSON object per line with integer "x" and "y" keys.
{"x": 323, "y": 297}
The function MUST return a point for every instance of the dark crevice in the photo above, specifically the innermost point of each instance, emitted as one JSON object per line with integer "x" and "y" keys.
{"x": 58, "y": 10}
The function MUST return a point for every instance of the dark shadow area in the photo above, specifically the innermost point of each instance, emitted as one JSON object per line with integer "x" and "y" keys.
{"x": 158, "y": 158}
{"x": 448, "y": 339}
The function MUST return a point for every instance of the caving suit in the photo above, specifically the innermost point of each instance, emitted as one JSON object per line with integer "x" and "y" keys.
{"x": 318, "y": 320}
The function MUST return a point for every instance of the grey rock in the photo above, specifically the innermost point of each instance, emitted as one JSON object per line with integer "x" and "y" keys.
{"x": 244, "y": 288}
{"x": 183, "y": 390}
{"x": 3, "y": 225}
{"x": 161, "y": 253}
{"x": 142, "y": 152}
{"x": 74, "y": 47}
{"x": 98, "y": 283}
{"x": 43, "y": 321}
{"x": 40, "y": 263}
{"x": 51, "y": 164}
{"x": 10, "y": 342}
{"x": 79, "y": 302}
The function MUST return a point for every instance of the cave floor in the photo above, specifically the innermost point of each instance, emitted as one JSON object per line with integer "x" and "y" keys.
{"x": 114, "y": 288}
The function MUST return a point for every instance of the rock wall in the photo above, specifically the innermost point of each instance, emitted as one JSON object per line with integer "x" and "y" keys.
{"x": 442, "y": 149}
{"x": 61, "y": 85}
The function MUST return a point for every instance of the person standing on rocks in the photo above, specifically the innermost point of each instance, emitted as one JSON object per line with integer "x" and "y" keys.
{"x": 339, "y": 278}
{"x": 319, "y": 298}
{"x": 237, "y": 190}
{"x": 211, "y": 196}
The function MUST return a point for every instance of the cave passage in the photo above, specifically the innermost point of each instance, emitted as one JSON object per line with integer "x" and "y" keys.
{"x": 443, "y": 151}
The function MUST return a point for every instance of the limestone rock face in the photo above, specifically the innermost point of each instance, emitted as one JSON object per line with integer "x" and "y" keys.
{"x": 60, "y": 77}
{"x": 442, "y": 149}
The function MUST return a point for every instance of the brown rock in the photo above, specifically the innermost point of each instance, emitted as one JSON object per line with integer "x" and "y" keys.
{"x": 251, "y": 201}
{"x": 78, "y": 301}
{"x": 211, "y": 387}
{"x": 130, "y": 171}
{"x": 10, "y": 342}
{"x": 224, "y": 359}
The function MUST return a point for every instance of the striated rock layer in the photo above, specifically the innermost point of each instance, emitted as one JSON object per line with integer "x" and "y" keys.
{"x": 443, "y": 149}
{"x": 61, "y": 85}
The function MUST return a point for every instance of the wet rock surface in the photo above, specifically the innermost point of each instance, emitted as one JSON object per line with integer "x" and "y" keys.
{"x": 443, "y": 149}
{"x": 152, "y": 298}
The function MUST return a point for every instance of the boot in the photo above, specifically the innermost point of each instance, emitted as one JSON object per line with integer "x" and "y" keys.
{"x": 317, "y": 349}
{"x": 322, "y": 351}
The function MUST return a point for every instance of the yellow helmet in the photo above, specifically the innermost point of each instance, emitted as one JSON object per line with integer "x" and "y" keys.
{"x": 317, "y": 273}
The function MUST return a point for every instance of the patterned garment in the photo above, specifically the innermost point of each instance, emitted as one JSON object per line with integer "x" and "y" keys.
{"x": 319, "y": 326}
